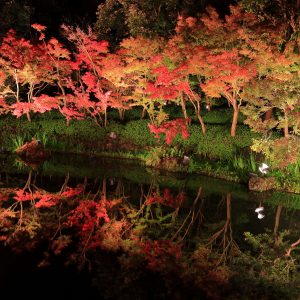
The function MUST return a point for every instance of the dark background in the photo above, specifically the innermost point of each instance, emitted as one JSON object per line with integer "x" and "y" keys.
{"x": 19, "y": 14}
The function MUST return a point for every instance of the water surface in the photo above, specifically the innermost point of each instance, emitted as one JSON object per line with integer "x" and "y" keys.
{"x": 114, "y": 229}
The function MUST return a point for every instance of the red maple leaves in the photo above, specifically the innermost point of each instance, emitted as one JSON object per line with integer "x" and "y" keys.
{"x": 170, "y": 129}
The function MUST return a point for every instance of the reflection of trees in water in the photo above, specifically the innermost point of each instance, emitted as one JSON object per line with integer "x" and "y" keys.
{"x": 161, "y": 233}
{"x": 223, "y": 238}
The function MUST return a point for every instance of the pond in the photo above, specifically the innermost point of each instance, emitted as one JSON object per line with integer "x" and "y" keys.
{"x": 113, "y": 229}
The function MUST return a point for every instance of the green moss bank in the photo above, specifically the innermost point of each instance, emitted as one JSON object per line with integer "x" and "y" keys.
{"x": 216, "y": 154}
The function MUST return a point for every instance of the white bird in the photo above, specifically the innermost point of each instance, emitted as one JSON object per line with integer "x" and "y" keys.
{"x": 259, "y": 209}
{"x": 264, "y": 168}
{"x": 260, "y": 216}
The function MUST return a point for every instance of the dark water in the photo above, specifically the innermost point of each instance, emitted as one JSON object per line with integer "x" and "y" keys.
{"x": 166, "y": 236}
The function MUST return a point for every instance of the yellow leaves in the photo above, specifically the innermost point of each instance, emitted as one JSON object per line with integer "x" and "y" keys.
{"x": 141, "y": 47}
{"x": 28, "y": 74}
{"x": 281, "y": 76}
{"x": 246, "y": 52}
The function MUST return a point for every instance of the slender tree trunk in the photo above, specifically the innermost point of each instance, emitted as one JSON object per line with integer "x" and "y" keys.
{"x": 103, "y": 192}
{"x": 121, "y": 114}
{"x": 143, "y": 113}
{"x": 228, "y": 206}
{"x": 183, "y": 107}
{"x": 17, "y": 84}
{"x": 277, "y": 219}
{"x": 105, "y": 118}
{"x": 286, "y": 128}
{"x": 203, "y": 128}
{"x": 234, "y": 121}
{"x": 198, "y": 108}
{"x": 268, "y": 115}
{"x": 28, "y": 116}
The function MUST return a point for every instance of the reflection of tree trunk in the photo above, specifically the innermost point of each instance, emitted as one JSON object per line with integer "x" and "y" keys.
{"x": 276, "y": 225}
{"x": 65, "y": 183}
{"x": 224, "y": 237}
{"x": 104, "y": 193}
{"x": 192, "y": 215}
{"x": 293, "y": 246}
{"x": 28, "y": 182}
{"x": 84, "y": 184}
{"x": 119, "y": 192}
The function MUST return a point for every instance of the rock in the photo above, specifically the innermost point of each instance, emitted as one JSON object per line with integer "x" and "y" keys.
{"x": 261, "y": 184}
{"x": 112, "y": 135}
{"x": 33, "y": 150}
{"x": 185, "y": 160}
{"x": 168, "y": 163}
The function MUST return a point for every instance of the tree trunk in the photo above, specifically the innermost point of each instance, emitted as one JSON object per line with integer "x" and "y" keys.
{"x": 183, "y": 107}
{"x": 277, "y": 219}
{"x": 268, "y": 115}
{"x": 202, "y": 123}
{"x": 103, "y": 192}
{"x": 105, "y": 118}
{"x": 143, "y": 113}
{"x": 286, "y": 128}
{"x": 234, "y": 121}
{"x": 28, "y": 116}
{"x": 121, "y": 114}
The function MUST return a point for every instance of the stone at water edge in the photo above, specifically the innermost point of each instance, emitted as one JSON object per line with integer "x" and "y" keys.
{"x": 261, "y": 184}
{"x": 33, "y": 150}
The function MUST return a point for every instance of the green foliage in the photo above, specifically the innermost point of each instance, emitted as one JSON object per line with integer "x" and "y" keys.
{"x": 220, "y": 116}
{"x": 138, "y": 132}
{"x": 43, "y": 137}
{"x": 288, "y": 200}
{"x": 244, "y": 165}
{"x": 217, "y": 143}
{"x": 157, "y": 154}
{"x": 118, "y": 19}
{"x": 280, "y": 152}
{"x": 267, "y": 272}
{"x": 270, "y": 255}
{"x": 17, "y": 142}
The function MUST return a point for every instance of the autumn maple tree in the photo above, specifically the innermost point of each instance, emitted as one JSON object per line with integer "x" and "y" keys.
{"x": 91, "y": 92}
{"x": 228, "y": 77}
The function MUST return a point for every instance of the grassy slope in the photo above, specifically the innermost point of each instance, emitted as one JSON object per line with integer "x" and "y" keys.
{"x": 135, "y": 141}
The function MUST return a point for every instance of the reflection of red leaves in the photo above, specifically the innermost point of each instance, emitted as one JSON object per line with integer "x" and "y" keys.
{"x": 3, "y": 238}
{"x": 61, "y": 243}
{"x": 38, "y": 27}
{"x": 166, "y": 199}
{"x": 21, "y": 196}
{"x": 3, "y": 197}
{"x": 47, "y": 200}
{"x": 87, "y": 215}
{"x": 71, "y": 192}
{"x": 159, "y": 252}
